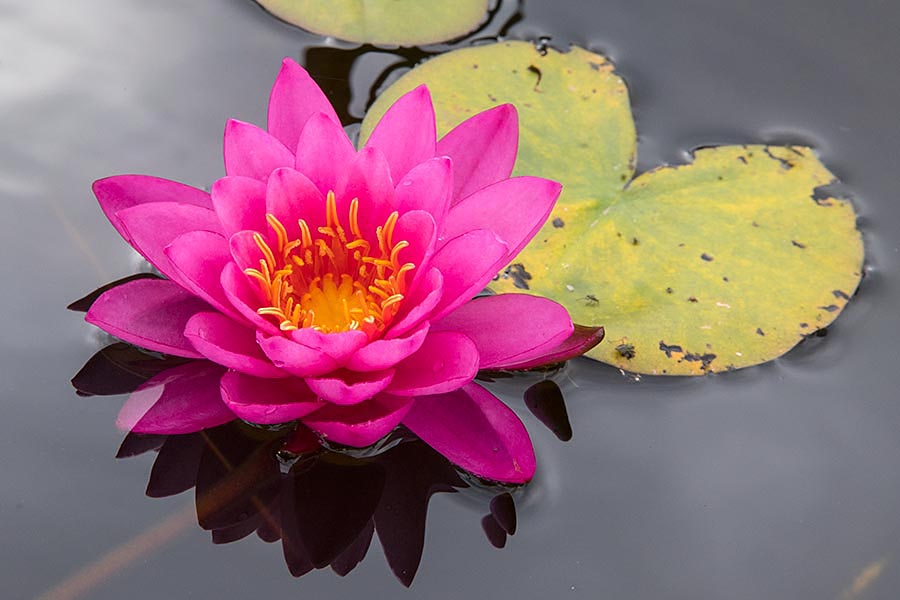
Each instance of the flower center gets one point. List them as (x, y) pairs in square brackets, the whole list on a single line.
[(333, 281)]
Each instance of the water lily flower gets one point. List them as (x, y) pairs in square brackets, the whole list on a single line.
[(337, 287)]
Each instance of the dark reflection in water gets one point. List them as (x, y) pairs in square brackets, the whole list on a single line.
[(323, 504)]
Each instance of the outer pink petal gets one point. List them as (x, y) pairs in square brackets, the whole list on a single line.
[(296, 359), (150, 313), (153, 226), (199, 258), (582, 339), (418, 304), (483, 149), (406, 133), (267, 401), (467, 262), (244, 298), (514, 209), (251, 152), (340, 346), (119, 192), (382, 354), (446, 361), (240, 203), (509, 328), (347, 387), (324, 152), (476, 431), (290, 195), (294, 99), (229, 344), (429, 187), (362, 424), (183, 399)]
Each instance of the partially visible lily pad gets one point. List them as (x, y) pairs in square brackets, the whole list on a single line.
[(723, 263), (386, 22)]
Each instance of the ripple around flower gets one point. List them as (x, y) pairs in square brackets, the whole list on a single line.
[(338, 286)]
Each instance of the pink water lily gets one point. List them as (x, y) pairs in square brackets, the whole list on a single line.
[(337, 287)]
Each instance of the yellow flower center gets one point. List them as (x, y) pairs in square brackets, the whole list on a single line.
[(334, 281)]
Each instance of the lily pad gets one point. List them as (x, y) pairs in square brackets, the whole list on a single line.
[(386, 22), (723, 263)]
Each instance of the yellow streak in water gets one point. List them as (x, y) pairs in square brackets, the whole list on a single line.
[(865, 579)]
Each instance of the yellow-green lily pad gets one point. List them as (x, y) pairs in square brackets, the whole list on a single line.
[(723, 263), (385, 22)]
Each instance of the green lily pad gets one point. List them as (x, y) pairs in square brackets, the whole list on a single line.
[(387, 22), (723, 263)]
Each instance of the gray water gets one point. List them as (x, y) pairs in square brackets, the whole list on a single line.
[(780, 481)]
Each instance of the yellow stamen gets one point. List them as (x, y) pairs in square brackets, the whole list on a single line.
[(334, 281)]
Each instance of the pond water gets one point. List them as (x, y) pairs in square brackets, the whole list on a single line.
[(779, 481)]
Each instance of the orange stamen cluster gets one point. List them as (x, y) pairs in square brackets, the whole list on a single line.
[(334, 281)]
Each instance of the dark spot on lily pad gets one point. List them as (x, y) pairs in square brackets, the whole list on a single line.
[(840, 294), (703, 359), (634, 241), (760, 332), (626, 351), (558, 223), (706, 257), (692, 299), (830, 308), (798, 244), (669, 349), (591, 300), (519, 275), (669, 290)]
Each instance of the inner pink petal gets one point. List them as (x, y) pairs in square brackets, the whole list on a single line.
[(240, 203)]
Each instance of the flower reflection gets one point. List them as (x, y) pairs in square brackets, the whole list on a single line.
[(325, 504)]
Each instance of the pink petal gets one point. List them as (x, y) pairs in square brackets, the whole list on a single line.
[(244, 250), (382, 354), (119, 192), (290, 195), (475, 431), (296, 359), (483, 149), (294, 99), (467, 262), (324, 152), (267, 401), (240, 203), (199, 258), (580, 341), (418, 304), (347, 387), (368, 179), (509, 328), (340, 346), (244, 298), (150, 313), (446, 361), (362, 424), (514, 209), (153, 226), (406, 133), (229, 344), (252, 152), (182, 399), (428, 186)]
